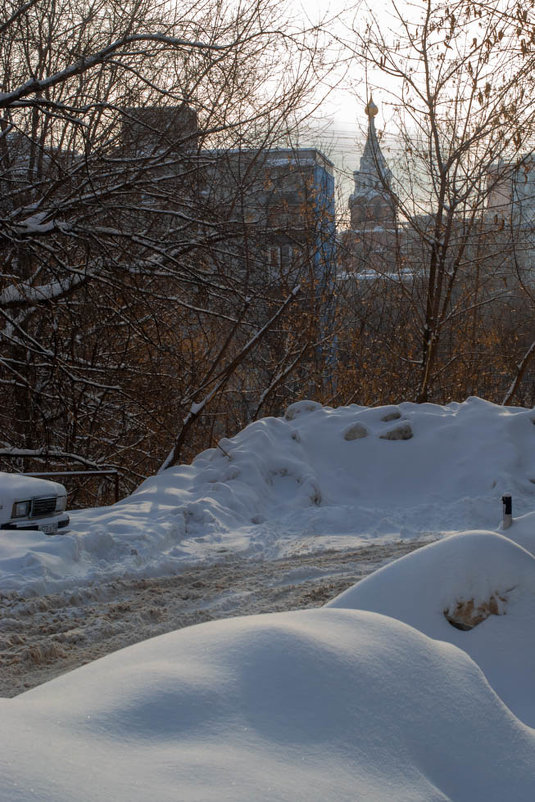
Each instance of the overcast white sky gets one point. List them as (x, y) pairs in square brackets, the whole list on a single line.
[(341, 119)]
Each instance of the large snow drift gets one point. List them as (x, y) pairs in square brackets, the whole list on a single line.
[(483, 572), (378, 696), (312, 705), (317, 478)]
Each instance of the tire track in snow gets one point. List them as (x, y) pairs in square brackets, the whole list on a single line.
[(43, 637)]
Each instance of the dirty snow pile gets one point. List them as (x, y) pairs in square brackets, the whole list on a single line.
[(375, 697), (317, 478)]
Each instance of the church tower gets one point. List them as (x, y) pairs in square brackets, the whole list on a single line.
[(370, 204)]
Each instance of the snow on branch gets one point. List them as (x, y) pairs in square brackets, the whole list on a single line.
[(37, 86), (220, 379), (48, 453), (24, 293), (520, 371)]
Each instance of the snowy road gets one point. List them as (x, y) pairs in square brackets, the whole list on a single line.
[(45, 636)]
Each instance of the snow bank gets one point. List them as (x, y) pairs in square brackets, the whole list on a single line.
[(484, 570), (318, 478), (313, 705), (378, 696)]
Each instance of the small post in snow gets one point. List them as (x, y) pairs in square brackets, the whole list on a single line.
[(507, 501)]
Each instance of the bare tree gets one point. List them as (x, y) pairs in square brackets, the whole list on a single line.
[(458, 96), (129, 285)]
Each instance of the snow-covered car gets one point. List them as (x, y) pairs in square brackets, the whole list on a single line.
[(30, 503)]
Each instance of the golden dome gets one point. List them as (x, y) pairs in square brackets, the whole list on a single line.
[(371, 109)]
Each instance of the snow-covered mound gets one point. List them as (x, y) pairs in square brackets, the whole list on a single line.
[(475, 590), (415, 684), (315, 705), (317, 478)]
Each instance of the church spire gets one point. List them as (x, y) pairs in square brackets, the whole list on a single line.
[(370, 199)]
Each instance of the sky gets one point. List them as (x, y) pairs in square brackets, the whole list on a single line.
[(340, 122)]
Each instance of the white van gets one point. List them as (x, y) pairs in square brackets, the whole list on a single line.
[(30, 503)]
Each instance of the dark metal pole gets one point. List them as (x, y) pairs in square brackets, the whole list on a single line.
[(507, 502)]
